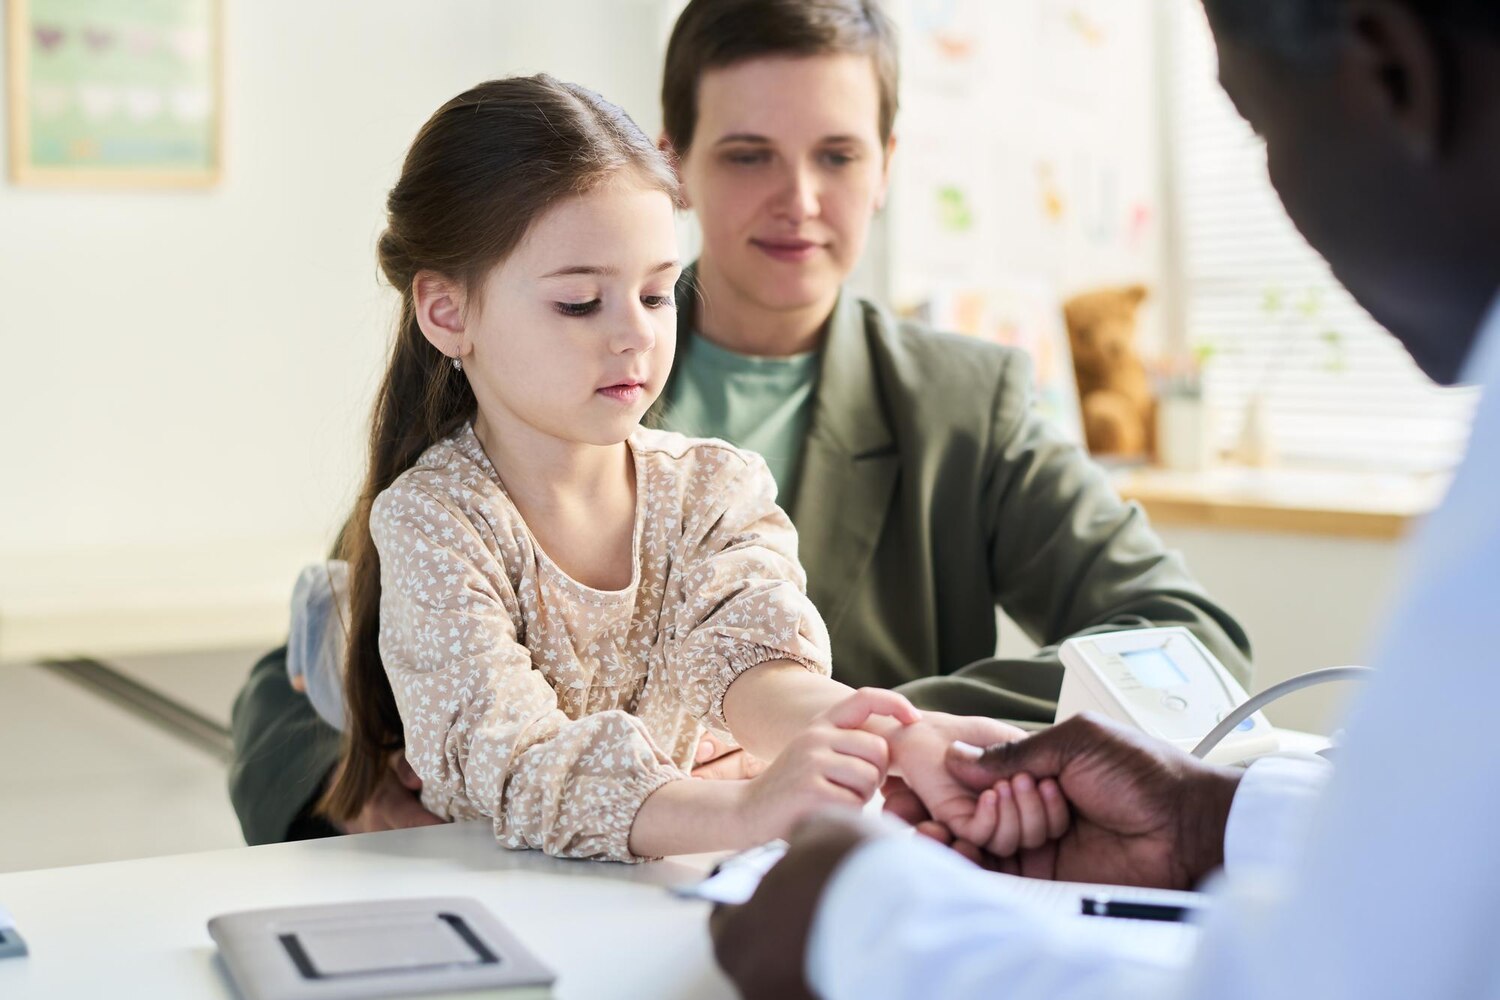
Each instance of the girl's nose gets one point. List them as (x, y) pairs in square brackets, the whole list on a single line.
[(636, 332)]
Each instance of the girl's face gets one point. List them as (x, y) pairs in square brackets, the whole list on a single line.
[(575, 331), (785, 172)]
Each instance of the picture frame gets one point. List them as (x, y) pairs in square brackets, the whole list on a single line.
[(111, 95)]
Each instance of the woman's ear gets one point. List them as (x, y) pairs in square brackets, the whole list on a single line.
[(439, 303), (885, 173)]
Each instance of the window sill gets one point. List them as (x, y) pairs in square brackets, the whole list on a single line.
[(1380, 506)]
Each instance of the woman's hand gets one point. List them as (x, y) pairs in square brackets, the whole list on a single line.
[(720, 761), (396, 803), (832, 763)]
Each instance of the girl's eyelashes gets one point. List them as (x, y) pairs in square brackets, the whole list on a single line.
[(577, 308), (593, 305)]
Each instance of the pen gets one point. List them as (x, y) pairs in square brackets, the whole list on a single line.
[(760, 858), (11, 945), (1105, 906)]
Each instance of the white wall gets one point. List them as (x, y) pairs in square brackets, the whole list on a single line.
[(1049, 127), (1306, 601), (195, 369)]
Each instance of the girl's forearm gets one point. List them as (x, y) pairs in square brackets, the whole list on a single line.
[(768, 705), (691, 816)]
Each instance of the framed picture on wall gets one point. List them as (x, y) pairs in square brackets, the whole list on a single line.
[(110, 94)]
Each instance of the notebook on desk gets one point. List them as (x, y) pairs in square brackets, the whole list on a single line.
[(1166, 941)]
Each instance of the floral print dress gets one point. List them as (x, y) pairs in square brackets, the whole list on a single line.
[(553, 708)]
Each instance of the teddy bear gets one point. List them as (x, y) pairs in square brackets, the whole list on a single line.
[(1113, 388)]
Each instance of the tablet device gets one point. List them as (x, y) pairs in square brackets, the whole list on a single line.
[(379, 948)]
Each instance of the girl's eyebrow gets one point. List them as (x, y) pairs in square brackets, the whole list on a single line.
[(600, 270)]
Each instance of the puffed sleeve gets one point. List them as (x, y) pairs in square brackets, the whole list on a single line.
[(483, 727), (741, 595)]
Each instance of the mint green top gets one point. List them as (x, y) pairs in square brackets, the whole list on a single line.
[(763, 404)]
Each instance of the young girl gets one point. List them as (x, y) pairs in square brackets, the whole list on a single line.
[(550, 602)]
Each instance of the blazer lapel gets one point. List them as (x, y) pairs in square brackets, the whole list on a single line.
[(849, 467), (849, 464)]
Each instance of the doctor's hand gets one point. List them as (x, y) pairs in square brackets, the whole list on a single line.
[(762, 944), (1143, 812), (396, 804)]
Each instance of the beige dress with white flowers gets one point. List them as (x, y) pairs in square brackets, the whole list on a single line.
[(556, 709)]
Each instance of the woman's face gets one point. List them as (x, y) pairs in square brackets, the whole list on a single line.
[(785, 173)]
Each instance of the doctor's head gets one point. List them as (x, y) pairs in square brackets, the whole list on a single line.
[(1381, 122), (780, 114)]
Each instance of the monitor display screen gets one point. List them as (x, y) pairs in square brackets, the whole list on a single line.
[(1154, 668)]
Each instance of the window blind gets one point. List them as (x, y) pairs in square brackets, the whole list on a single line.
[(1337, 390)]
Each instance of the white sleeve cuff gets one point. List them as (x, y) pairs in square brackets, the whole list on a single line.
[(1272, 809), (839, 925), (904, 917)]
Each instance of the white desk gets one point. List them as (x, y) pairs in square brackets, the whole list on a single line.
[(138, 928)]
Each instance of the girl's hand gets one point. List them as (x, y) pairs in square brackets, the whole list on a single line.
[(1017, 813), (832, 763), (904, 804), (919, 755)]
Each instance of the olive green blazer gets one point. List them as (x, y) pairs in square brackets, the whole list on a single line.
[(930, 494)]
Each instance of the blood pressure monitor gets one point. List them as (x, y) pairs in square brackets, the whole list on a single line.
[(1164, 682)]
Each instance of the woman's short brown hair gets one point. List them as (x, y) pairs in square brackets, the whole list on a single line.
[(712, 34)]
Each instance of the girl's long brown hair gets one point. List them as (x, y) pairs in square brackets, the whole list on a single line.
[(482, 170)]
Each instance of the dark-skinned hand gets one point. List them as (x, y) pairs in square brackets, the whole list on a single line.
[(762, 944), (1143, 812)]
